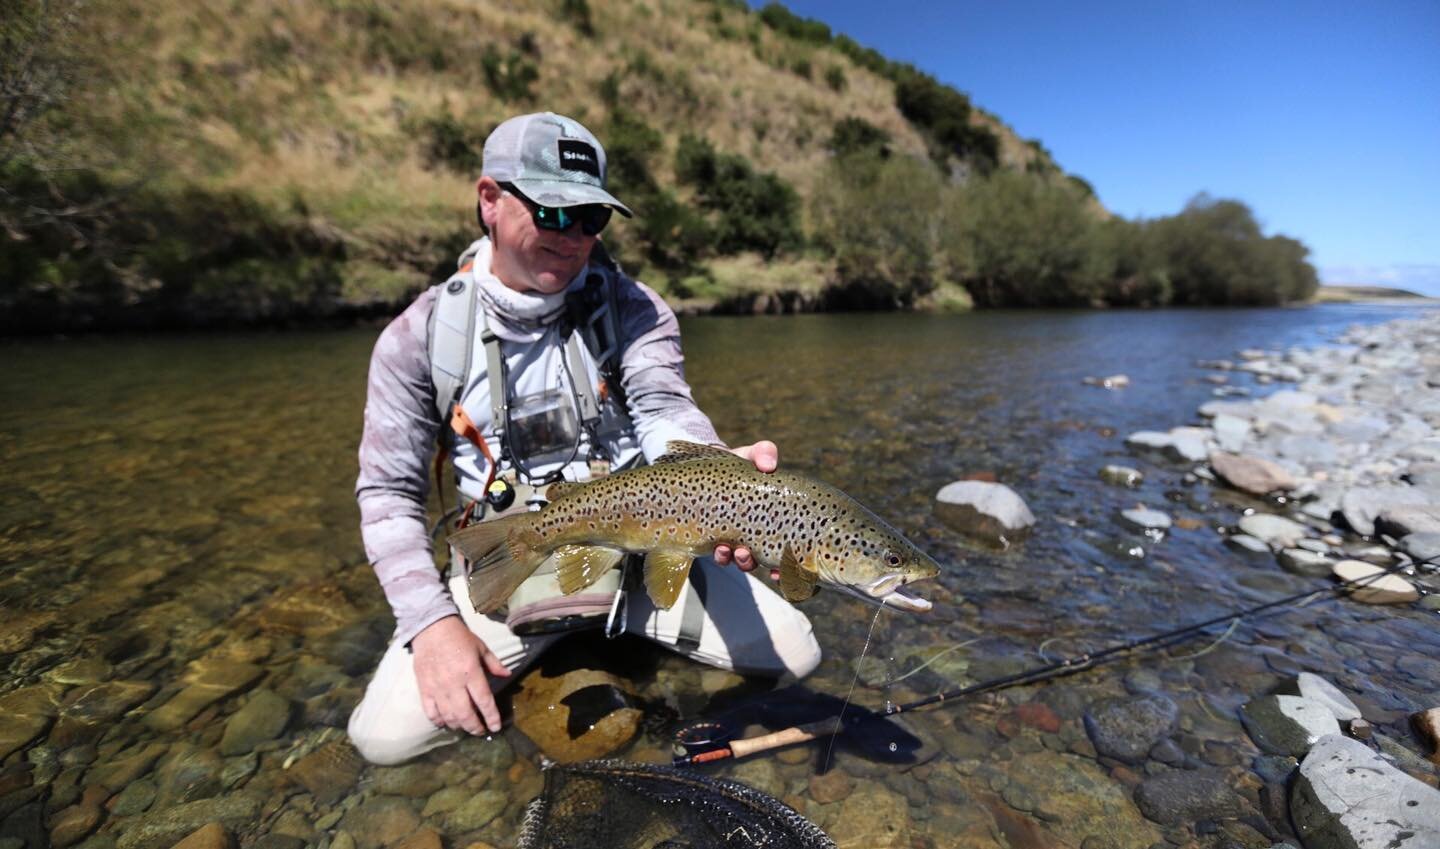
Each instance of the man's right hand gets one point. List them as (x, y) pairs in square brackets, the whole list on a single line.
[(453, 686)]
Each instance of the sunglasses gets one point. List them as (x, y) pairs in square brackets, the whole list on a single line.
[(592, 218)]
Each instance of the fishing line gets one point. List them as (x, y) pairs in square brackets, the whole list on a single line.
[(841, 717), (833, 725)]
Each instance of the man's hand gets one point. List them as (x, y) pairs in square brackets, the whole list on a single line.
[(448, 665), (766, 458)]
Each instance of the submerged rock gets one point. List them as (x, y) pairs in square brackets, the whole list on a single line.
[(1121, 476), (577, 716), (1277, 531), (1145, 520), (1288, 725), (1184, 796), (1385, 589), (1127, 729), (1254, 475), (1299, 561), (263, 718), (991, 512), (1348, 797)]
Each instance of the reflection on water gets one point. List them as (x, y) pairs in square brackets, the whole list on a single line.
[(178, 537)]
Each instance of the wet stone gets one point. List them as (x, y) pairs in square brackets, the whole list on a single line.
[(445, 800), (1275, 531), (1247, 544), (1348, 796), (873, 817), (1145, 520), (1311, 686), (188, 773), (833, 786), (208, 683), (1384, 589), (210, 836), (1127, 729), (380, 822), (263, 717), (990, 512), (1310, 564), (329, 772), (135, 799), (1184, 796), (25, 714), (73, 824), (278, 841), (1121, 476), (162, 829), (238, 770), (1168, 752), (1288, 725), (477, 811), (413, 781)]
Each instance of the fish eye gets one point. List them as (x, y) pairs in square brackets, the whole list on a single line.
[(892, 559)]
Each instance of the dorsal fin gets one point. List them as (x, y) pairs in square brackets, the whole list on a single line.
[(679, 451)]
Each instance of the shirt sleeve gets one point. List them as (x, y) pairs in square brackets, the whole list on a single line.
[(652, 372), (399, 439)]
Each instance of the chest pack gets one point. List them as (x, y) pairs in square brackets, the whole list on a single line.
[(591, 319)]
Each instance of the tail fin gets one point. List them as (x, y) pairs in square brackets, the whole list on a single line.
[(501, 562)]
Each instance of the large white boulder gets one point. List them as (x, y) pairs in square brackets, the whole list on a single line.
[(991, 512), (1348, 797)]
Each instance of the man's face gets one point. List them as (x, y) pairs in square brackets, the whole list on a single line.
[(525, 257)]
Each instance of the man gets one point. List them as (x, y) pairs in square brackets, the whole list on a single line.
[(538, 360)]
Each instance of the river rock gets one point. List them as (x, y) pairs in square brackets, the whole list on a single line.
[(1409, 519), (1121, 476), (1126, 729), (1254, 475), (188, 773), (1287, 725), (1348, 797), (380, 821), (991, 512), (208, 682), (1386, 589), (116, 774), (1362, 505), (1427, 725), (1181, 444), (413, 781), (73, 824), (87, 711), (1184, 796), (1230, 432), (1299, 561), (577, 716), (1114, 381), (1308, 685), (1076, 799), (162, 829), (135, 799), (1247, 544), (1422, 547), (1277, 532), (25, 714), (873, 817), (263, 718), (1145, 520), (834, 786), (211, 836), (329, 772), (477, 811)]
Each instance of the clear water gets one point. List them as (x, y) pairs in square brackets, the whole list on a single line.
[(177, 502)]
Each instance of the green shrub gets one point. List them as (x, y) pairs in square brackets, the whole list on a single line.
[(577, 12), (509, 76), (786, 22), (835, 78), (752, 211), (882, 219), (856, 135), (449, 144)]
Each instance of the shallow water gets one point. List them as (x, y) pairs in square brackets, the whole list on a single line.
[(179, 509)]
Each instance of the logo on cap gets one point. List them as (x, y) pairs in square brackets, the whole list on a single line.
[(576, 155)]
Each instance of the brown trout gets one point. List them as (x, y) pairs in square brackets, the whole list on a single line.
[(680, 508)]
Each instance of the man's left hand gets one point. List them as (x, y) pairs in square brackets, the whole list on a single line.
[(766, 458)]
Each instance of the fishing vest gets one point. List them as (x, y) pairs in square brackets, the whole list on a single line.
[(581, 351)]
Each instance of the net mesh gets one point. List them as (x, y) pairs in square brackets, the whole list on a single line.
[(645, 806)]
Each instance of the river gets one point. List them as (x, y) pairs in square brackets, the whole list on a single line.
[(177, 511)]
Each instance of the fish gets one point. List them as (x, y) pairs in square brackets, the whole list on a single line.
[(679, 508)]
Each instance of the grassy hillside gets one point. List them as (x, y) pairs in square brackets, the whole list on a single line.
[(191, 163)]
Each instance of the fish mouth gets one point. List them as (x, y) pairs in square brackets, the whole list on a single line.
[(890, 591)]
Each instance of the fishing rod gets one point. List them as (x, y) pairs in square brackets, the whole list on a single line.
[(833, 725)]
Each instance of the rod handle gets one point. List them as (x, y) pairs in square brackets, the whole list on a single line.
[(784, 737)]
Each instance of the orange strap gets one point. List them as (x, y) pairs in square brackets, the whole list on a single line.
[(464, 427)]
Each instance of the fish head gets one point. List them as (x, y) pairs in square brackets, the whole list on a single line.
[(875, 563)]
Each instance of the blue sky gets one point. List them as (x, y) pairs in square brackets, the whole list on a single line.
[(1323, 117)]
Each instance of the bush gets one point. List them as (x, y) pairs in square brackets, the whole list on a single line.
[(577, 12), (753, 211), (1029, 241), (882, 219), (1213, 252), (786, 22), (856, 135), (509, 76), (835, 78), (449, 144)]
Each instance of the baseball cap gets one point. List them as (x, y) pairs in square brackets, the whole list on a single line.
[(552, 159)]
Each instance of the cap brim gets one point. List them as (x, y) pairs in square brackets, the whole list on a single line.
[(562, 193)]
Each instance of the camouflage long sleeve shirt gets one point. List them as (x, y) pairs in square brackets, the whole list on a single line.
[(402, 425)]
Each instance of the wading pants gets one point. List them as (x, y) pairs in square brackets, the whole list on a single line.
[(746, 628)]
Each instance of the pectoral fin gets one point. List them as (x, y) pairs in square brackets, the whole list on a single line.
[(665, 574), (579, 566), (797, 579)]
